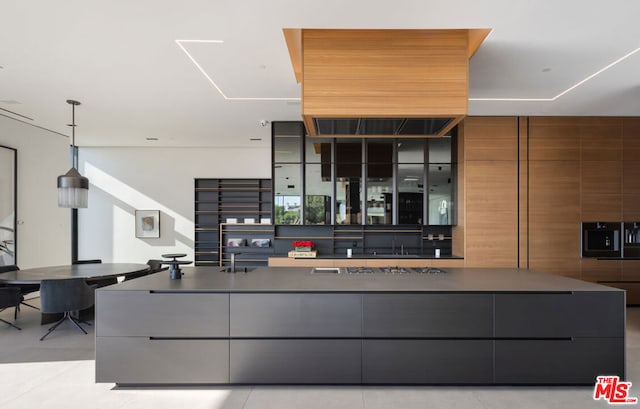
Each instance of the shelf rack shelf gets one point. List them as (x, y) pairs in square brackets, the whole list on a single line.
[(217, 200)]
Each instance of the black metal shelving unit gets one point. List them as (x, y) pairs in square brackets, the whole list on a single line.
[(217, 201)]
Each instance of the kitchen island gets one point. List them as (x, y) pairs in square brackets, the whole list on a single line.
[(334, 326)]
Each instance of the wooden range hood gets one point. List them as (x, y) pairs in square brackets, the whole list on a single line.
[(380, 83)]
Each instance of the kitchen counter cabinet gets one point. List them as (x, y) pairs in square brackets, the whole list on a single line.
[(295, 315), (293, 326)]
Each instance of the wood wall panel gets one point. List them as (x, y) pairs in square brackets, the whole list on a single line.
[(554, 139), (631, 270), (570, 169), (601, 270), (597, 207), (631, 208), (458, 231), (602, 177), (491, 216), (631, 177), (554, 217), (523, 191), (631, 139), (601, 140), (491, 138)]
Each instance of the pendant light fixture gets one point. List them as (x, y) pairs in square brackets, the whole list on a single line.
[(73, 188)]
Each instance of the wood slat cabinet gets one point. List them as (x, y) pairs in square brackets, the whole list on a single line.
[(491, 191)]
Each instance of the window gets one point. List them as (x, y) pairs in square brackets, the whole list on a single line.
[(361, 180)]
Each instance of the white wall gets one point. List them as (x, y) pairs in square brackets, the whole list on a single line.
[(43, 228), (125, 179)]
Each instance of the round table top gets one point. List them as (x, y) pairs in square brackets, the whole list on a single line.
[(98, 270), (174, 255)]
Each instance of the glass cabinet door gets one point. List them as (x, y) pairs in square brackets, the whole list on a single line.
[(287, 189), (440, 189)]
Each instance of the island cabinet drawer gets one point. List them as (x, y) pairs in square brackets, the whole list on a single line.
[(427, 361), (296, 315), (427, 315), (144, 360), (161, 314), (297, 361), (549, 315), (576, 361)]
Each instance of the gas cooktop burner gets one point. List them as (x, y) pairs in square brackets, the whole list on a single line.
[(395, 270), (359, 270), (429, 270)]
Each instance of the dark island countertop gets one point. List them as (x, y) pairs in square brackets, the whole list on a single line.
[(299, 279)]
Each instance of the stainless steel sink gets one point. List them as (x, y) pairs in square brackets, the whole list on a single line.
[(325, 270), (395, 255)]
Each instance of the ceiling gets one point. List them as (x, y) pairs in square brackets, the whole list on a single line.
[(142, 70)]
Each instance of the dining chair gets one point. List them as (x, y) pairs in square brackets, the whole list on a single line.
[(66, 296), (10, 297), (93, 261), (101, 282), (154, 267), (24, 289)]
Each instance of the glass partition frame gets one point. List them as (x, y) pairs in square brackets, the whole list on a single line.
[(426, 155), (8, 206)]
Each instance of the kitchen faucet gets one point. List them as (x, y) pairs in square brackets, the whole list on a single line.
[(233, 262)]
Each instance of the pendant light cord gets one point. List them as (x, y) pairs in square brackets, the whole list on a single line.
[(73, 136), (74, 156)]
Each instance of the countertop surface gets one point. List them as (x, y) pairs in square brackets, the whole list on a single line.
[(303, 279)]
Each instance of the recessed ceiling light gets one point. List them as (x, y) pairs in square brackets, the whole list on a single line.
[(571, 88)]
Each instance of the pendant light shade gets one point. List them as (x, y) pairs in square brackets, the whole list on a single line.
[(73, 188)]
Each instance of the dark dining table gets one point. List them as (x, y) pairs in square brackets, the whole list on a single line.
[(88, 271), (92, 272)]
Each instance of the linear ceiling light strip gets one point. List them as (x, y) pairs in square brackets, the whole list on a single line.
[(34, 125), (193, 60), (17, 114)]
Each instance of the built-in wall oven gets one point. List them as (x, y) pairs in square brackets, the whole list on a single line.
[(631, 247), (601, 239)]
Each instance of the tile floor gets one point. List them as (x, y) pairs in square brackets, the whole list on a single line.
[(59, 373)]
